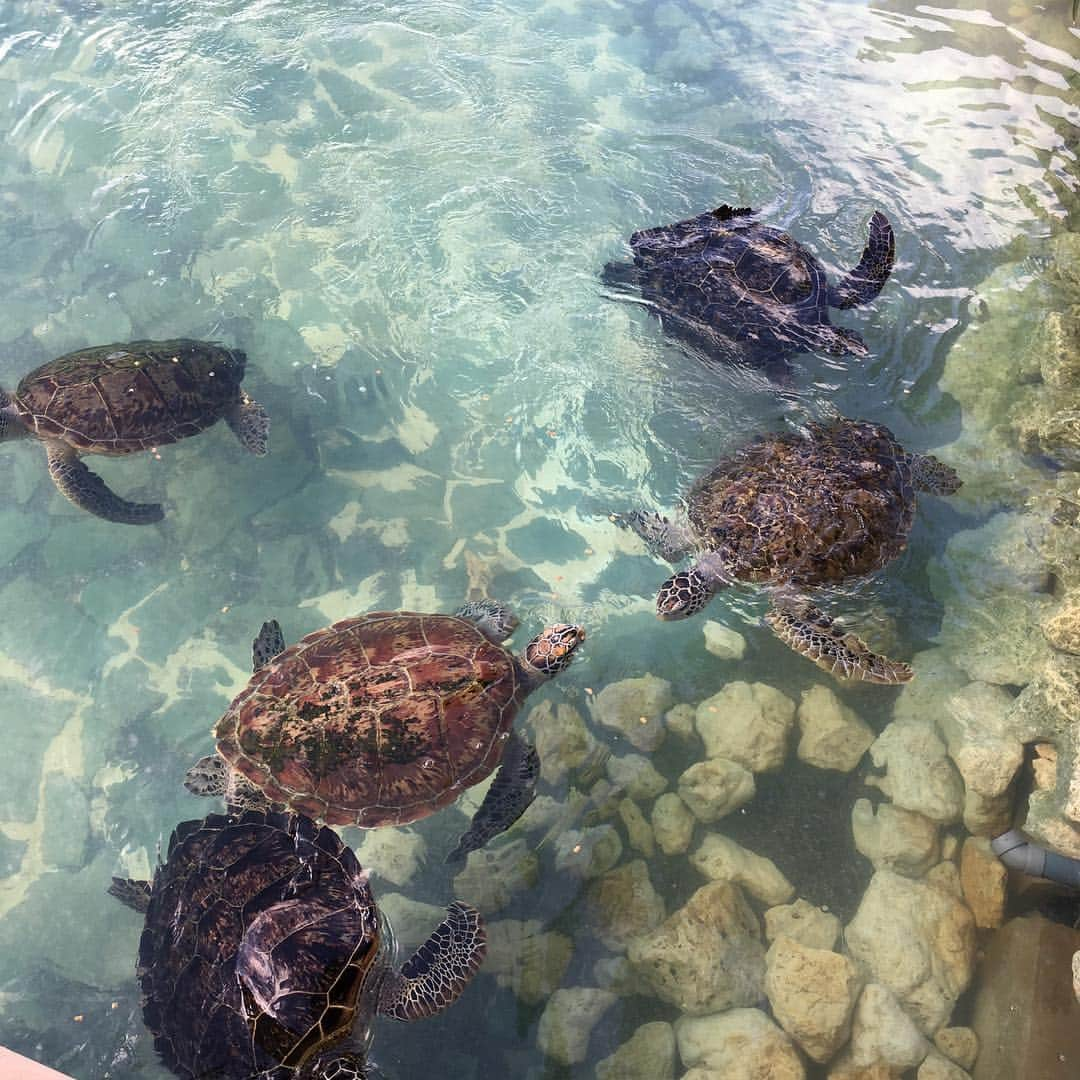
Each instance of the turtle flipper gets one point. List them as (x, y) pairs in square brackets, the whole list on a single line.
[(269, 642), (929, 474), (509, 796), (136, 894), (494, 620), (436, 974), (89, 492), (250, 424), (861, 285), (666, 539), (809, 631)]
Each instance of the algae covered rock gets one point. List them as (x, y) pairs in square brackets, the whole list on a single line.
[(636, 775), (672, 823), (588, 853), (713, 788), (635, 708), (526, 959), (748, 723), (623, 905), (649, 1054), (493, 876), (567, 1022), (562, 740)]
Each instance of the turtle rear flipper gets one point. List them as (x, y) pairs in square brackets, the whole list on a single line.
[(509, 796), (250, 424), (814, 635), (933, 476), (865, 281), (436, 974), (268, 643), (89, 492), (135, 894)]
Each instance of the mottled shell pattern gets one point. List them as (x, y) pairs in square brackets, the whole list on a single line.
[(376, 720), (118, 399), (219, 907), (830, 503)]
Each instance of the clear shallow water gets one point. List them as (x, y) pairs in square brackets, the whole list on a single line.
[(400, 212)]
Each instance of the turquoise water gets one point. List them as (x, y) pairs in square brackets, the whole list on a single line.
[(401, 212)]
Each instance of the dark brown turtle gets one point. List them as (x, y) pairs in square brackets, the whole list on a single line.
[(119, 399), (797, 510), (386, 718), (263, 953), (723, 277)]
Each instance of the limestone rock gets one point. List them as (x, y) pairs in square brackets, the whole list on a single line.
[(893, 838), (673, 824), (567, 1022), (741, 1044), (680, 721), (936, 1066), (724, 642), (649, 1054), (705, 957), (917, 940), (393, 854), (812, 993), (635, 708), (588, 853), (985, 883), (919, 775), (833, 735), (721, 859), (1062, 628), (526, 959), (882, 1034), (748, 723), (959, 1044), (636, 775), (844, 1068), (638, 830), (562, 740), (493, 876), (803, 922), (623, 905), (945, 877), (715, 787)]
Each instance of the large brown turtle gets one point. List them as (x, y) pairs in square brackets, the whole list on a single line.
[(264, 956), (386, 718), (723, 277), (798, 510), (119, 399)]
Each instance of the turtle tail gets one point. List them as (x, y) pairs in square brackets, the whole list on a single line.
[(861, 285)]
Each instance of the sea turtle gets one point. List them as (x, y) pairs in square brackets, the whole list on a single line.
[(385, 718), (795, 510), (118, 399), (723, 277), (264, 956)]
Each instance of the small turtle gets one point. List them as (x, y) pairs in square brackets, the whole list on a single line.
[(264, 956), (798, 510), (118, 399), (723, 277), (386, 718)]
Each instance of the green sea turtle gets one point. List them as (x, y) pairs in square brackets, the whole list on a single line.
[(723, 277), (118, 399), (264, 956), (386, 718), (797, 510)]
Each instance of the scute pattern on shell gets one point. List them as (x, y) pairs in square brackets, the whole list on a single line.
[(122, 398), (809, 508), (381, 719), (219, 909)]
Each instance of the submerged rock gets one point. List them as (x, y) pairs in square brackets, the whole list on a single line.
[(893, 838), (936, 1066), (393, 854), (918, 774), (985, 883), (623, 905), (833, 736), (526, 959), (588, 853), (636, 775), (724, 642), (562, 740), (493, 876), (722, 859), (882, 1034), (680, 721), (635, 708), (748, 723), (638, 831), (649, 1054), (741, 1044), (672, 823), (713, 788), (803, 922), (959, 1044), (567, 1022)]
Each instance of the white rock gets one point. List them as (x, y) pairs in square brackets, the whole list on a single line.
[(715, 787), (393, 854), (649, 1054), (893, 838), (959, 1044), (936, 1066), (672, 823), (919, 775), (883, 1034), (803, 922), (636, 775), (724, 642), (567, 1022), (588, 853), (812, 993), (721, 859), (680, 721), (833, 735), (635, 708), (638, 830), (747, 722), (741, 1044)]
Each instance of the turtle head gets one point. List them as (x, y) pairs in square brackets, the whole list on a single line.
[(687, 592), (551, 651), (10, 425)]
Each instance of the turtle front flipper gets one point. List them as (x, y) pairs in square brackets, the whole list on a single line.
[(435, 975), (135, 894), (865, 281), (268, 643), (810, 632), (933, 476), (250, 424), (510, 794), (89, 492), (666, 539)]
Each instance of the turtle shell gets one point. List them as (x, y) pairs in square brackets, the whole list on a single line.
[(832, 503), (241, 978), (117, 399), (376, 720)]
